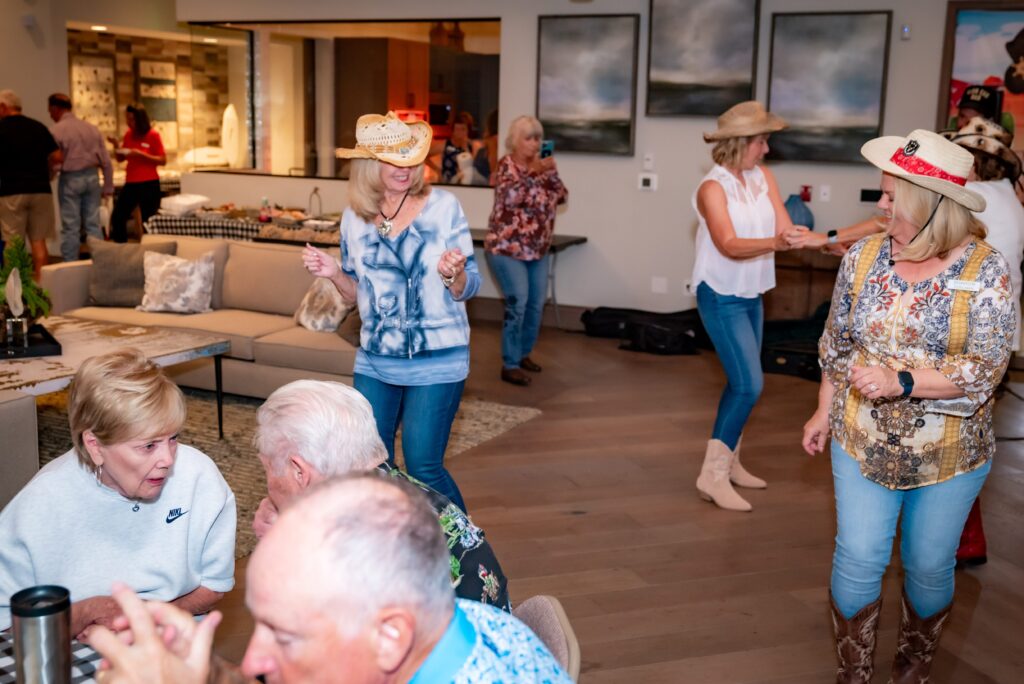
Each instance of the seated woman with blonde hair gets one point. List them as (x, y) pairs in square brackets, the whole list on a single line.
[(127, 503)]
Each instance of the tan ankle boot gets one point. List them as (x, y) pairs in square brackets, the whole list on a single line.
[(918, 641), (739, 475), (713, 483), (855, 643)]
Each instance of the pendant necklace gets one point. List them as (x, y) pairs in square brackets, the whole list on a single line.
[(385, 226)]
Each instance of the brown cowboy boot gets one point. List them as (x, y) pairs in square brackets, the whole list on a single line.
[(855, 643), (918, 640)]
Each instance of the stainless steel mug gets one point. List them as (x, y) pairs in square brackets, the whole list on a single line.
[(41, 618)]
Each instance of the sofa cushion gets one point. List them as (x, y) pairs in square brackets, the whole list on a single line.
[(304, 349), (239, 327), (194, 247), (265, 277), (117, 276), (176, 284)]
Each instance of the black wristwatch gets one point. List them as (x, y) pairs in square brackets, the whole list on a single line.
[(906, 382), (833, 237)]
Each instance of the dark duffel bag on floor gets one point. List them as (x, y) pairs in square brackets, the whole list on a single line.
[(680, 332)]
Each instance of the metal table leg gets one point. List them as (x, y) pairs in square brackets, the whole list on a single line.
[(220, 396), (551, 283)]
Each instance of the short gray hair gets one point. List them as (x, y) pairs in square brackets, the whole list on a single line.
[(328, 424), (370, 522), (11, 99)]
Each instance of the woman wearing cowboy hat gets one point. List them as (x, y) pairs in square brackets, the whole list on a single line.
[(917, 338), (408, 263), (742, 223)]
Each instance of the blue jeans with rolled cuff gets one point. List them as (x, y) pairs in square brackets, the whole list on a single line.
[(933, 517), (425, 413), (524, 285), (736, 327)]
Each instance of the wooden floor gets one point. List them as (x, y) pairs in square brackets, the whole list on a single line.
[(594, 502)]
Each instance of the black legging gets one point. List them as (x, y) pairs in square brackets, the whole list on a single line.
[(144, 195)]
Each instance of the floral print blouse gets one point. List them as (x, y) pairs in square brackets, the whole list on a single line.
[(959, 322), (523, 218)]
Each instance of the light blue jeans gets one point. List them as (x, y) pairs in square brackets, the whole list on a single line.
[(525, 287), (79, 194), (425, 413), (866, 516), (735, 326)]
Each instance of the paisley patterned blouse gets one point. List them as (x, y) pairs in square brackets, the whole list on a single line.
[(523, 218), (960, 323)]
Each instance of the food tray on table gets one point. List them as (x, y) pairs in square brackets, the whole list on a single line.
[(40, 343)]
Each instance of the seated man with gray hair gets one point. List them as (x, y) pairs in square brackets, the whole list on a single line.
[(310, 430), (325, 614)]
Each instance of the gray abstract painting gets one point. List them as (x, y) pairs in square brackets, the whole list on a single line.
[(827, 80), (702, 55), (586, 82)]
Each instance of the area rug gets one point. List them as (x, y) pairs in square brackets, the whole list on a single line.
[(476, 422)]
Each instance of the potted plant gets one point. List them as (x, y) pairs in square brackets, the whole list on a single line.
[(19, 293)]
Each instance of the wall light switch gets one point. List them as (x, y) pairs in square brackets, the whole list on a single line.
[(649, 161), (825, 193), (647, 182)]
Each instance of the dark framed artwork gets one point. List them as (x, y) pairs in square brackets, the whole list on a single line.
[(586, 81), (702, 55), (834, 105), (984, 46)]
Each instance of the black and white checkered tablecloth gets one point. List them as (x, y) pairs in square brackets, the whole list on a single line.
[(84, 661), (223, 228)]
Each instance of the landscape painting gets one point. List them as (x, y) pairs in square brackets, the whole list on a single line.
[(702, 56), (586, 82), (827, 80)]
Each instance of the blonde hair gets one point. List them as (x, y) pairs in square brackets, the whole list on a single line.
[(122, 396), (522, 127), (729, 152), (366, 189), (951, 224)]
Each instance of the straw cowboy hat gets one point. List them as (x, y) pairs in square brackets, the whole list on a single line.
[(926, 159), (744, 120), (390, 140), (987, 137)]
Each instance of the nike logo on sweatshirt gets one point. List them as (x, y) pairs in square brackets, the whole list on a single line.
[(174, 514)]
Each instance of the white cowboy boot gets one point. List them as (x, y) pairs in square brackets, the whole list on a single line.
[(739, 475), (713, 483)]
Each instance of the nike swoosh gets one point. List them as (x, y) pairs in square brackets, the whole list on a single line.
[(171, 518)]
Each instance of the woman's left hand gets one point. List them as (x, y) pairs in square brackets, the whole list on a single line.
[(451, 263), (875, 382)]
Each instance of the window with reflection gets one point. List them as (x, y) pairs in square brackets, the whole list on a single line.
[(309, 82)]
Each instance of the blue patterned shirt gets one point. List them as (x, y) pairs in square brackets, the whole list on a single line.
[(484, 645)]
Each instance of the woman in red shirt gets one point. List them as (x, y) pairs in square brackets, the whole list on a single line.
[(144, 150), (527, 190)]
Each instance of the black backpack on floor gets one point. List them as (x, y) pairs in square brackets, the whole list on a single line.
[(643, 331)]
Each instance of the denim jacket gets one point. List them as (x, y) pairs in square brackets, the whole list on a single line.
[(404, 306)]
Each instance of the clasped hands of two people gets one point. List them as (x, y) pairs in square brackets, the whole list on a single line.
[(873, 382), (801, 237)]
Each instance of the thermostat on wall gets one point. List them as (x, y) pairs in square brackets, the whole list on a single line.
[(648, 182)]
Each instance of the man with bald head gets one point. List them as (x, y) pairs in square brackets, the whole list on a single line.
[(325, 615)]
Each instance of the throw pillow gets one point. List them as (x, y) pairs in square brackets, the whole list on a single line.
[(118, 276), (322, 309), (178, 285)]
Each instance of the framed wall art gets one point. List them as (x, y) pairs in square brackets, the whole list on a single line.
[(702, 55), (586, 81), (834, 105), (94, 91), (156, 84), (984, 46)]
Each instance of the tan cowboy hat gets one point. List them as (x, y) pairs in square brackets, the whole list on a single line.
[(926, 159), (744, 120), (389, 139), (981, 135)]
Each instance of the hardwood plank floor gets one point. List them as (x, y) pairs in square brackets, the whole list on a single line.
[(594, 502)]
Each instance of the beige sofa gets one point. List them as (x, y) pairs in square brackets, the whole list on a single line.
[(257, 288)]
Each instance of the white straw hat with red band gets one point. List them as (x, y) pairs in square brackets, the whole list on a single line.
[(927, 159)]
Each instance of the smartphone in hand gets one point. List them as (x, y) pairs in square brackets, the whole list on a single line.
[(547, 148)]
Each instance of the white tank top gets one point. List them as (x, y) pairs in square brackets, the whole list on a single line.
[(752, 216)]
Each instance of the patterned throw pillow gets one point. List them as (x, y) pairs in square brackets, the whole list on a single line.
[(322, 309), (177, 285)]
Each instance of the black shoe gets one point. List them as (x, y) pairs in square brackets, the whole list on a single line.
[(515, 377), (528, 365)]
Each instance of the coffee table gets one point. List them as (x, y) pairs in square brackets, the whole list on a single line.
[(81, 338)]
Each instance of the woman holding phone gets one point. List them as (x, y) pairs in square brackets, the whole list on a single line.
[(527, 191)]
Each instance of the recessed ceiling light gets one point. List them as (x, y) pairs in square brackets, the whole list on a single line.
[(209, 40), (98, 28)]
